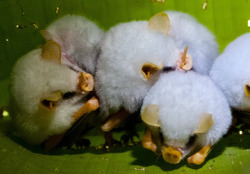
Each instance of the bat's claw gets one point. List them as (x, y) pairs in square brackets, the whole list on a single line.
[(110, 141), (80, 143), (199, 157), (128, 138)]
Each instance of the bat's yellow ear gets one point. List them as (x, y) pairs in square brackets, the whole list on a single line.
[(51, 51), (206, 122), (186, 61), (148, 69), (247, 90), (46, 35), (160, 22), (150, 115)]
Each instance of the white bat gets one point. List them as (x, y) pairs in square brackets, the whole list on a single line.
[(184, 112)]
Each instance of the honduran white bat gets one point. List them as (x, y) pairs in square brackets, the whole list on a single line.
[(132, 56), (49, 85), (231, 73), (184, 112)]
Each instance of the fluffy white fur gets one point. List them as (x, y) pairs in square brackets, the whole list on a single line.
[(182, 99), (125, 48), (31, 79), (187, 31), (34, 77), (231, 71), (79, 39)]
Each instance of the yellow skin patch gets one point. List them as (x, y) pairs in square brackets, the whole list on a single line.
[(171, 155), (147, 141), (199, 157), (86, 82)]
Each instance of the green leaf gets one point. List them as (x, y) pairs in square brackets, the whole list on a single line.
[(230, 155), (227, 19)]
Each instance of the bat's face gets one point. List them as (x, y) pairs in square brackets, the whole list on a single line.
[(46, 95), (173, 150)]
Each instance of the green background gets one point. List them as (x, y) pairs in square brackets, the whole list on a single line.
[(20, 22), (227, 19)]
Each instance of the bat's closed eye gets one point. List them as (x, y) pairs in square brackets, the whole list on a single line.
[(68, 95)]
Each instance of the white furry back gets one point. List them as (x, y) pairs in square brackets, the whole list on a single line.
[(79, 39), (231, 71), (182, 99), (31, 79), (187, 31), (125, 48)]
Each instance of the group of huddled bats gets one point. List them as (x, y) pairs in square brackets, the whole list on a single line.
[(166, 68)]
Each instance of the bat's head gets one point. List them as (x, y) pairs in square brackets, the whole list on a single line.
[(46, 94), (174, 58), (175, 141), (183, 112), (79, 39)]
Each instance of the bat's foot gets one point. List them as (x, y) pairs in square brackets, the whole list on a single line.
[(128, 138), (112, 143), (147, 141)]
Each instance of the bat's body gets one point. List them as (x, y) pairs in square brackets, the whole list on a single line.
[(134, 54)]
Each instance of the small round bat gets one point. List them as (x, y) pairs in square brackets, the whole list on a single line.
[(50, 85), (184, 112)]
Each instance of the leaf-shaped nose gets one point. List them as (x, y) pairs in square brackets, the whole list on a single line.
[(171, 155)]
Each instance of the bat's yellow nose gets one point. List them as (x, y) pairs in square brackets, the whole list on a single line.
[(171, 155)]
